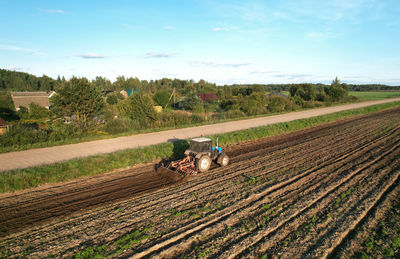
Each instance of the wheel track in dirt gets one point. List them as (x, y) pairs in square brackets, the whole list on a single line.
[(354, 242), (282, 223), (308, 189), (379, 199), (219, 181), (204, 179), (322, 231), (216, 219), (95, 195)]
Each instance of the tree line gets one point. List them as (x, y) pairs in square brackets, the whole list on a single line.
[(83, 108), (21, 81)]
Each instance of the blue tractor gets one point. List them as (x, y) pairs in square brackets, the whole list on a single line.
[(198, 159)]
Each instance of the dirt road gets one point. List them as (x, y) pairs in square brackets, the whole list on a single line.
[(310, 193), (35, 157)]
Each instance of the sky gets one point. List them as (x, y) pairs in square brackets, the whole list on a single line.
[(223, 42)]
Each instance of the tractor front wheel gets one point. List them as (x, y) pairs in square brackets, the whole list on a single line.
[(223, 160), (204, 163)]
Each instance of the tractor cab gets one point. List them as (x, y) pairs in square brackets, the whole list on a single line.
[(199, 145)]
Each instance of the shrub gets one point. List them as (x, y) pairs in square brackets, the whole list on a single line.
[(38, 112), (21, 134), (112, 99), (234, 114), (161, 98), (197, 118), (277, 104), (116, 126)]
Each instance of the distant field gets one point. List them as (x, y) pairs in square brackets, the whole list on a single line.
[(367, 96)]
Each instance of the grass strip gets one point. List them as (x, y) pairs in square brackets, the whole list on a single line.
[(103, 135), (32, 177)]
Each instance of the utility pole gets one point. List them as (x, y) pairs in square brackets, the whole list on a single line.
[(174, 96)]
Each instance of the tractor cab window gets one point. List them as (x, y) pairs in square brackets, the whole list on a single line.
[(204, 146)]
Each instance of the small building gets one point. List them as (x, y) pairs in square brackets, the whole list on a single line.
[(51, 94), (208, 97), (25, 98), (3, 126), (128, 92)]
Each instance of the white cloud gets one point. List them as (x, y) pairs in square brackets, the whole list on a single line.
[(89, 56), (263, 72), (220, 29), (129, 26), (55, 11), (320, 36), (158, 55), (292, 76), (14, 68), (20, 49), (169, 28), (213, 64)]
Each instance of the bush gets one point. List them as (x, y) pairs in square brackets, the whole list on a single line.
[(38, 112), (112, 99), (231, 114), (116, 126), (61, 131), (21, 134), (161, 98), (277, 104), (197, 118)]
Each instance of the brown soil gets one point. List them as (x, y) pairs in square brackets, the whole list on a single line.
[(303, 194)]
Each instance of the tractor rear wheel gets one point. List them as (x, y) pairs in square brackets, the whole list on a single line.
[(203, 164), (223, 160)]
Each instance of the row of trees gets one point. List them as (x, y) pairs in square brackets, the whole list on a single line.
[(88, 110), (20, 81)]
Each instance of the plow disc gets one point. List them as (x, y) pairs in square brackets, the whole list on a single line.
[(170, 175), (178, 171)]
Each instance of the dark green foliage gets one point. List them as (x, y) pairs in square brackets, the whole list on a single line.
[(30, 133), (7, 111), (21, 134), (190, 102), (337, 91), (20, 81), (38, 112), (32, 177), (79, 100), (112, 99), (252, 107), (277, 104), (140, 108), (102, 84), (23, 113), (306, 92), (116, 126), (162, 98), (197, 118), (174, 119)]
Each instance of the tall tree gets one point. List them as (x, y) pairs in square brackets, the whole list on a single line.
[(139, 108), (337, 91), (78, 98)]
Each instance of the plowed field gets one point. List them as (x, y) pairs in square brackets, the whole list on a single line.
[(312, 193)]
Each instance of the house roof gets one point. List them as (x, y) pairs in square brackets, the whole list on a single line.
[(208, 97), (26, 98), (3, 123), (129, 92)]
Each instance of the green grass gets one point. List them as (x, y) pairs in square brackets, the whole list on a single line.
[(369, 96), (98, 135), (76, 168)]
